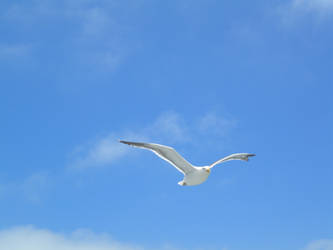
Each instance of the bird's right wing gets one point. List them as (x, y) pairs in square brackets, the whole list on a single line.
[(166, 153), (238, 156)]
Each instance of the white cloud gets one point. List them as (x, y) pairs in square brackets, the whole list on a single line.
[(32, 188), (106, 150), (324, 244), (313, 5), (96, 21), (30, 238), (298, 9), (10, 52), (2, 190), (93, 34), (214, 124), (168, 128), (35, 186), (102, 152)]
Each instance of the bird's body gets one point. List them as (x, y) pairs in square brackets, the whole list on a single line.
[(192, 175), (198, 176)]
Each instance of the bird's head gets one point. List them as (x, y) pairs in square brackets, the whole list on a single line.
[(207, 169)]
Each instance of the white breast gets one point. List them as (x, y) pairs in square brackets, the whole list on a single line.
[(196, 177)]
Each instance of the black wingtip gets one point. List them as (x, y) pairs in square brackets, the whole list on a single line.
[(248, 156), (130, 143)]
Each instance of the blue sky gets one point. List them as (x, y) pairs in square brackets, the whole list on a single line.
[(209, 78)]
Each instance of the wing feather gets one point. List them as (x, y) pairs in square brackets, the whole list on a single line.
[(238, 156), (166, 153)]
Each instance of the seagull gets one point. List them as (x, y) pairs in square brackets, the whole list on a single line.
[(192, 175)]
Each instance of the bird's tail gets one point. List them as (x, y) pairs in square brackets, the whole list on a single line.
[(182, 183)]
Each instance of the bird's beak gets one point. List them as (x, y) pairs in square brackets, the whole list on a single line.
[(208, 170)]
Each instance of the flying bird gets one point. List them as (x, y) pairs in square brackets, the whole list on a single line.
[(192, 175)]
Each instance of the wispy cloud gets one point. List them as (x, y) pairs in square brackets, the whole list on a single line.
[(2, 190), (35, 186), (213, 124), (313, 5), (167, 128), (101, 152), (13, 50), (31, 188), (30, 238), (106, 150), (298, 9), (93, 34), (323, 244)]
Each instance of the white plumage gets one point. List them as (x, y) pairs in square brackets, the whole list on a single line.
[(192, 175)]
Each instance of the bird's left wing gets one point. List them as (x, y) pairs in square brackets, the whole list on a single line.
[(166, 153), (239, 156)]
